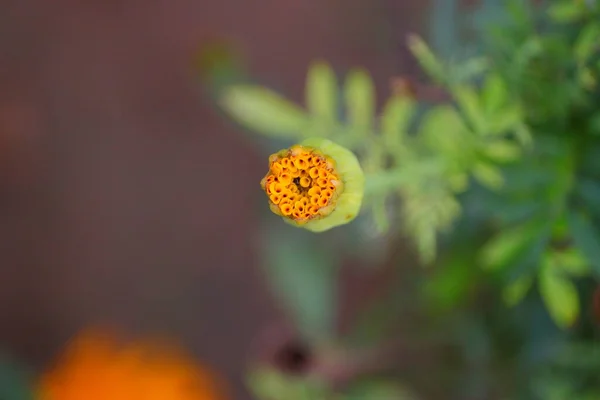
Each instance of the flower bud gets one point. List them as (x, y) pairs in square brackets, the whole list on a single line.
[(316, 185)]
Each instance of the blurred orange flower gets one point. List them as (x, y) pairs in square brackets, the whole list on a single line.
[(96, 367)]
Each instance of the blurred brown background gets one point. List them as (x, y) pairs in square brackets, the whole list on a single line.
[(124, 196)]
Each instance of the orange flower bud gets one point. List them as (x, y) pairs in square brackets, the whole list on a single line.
[(316, 185)]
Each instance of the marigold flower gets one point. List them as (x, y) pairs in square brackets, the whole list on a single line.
[(96, 367), (316, 184)]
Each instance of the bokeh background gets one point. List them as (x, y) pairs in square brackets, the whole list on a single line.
[(127, 198), (124, 196)]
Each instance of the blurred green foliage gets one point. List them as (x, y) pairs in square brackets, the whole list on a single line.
[(499, 187), (15, 380), (306, 281), (269, 384)]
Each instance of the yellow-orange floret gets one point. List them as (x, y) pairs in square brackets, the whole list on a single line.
[(302, 183)]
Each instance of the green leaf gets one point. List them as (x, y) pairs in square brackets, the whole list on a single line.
[(527, 260), (488, 175), (427, 213), (458, 182), (470, 105), (303, 275), (263, 111), (509, 119), (426, 58), (585, 237), (377, 389), (571, 261), (359, 93), (567, 11), (495, 93), (529, 50), (268, 384), (587, 42), (502, 151), (444, 131), (515, 291), (396, 118), (523, 134), (322, 92), (560, 296), (425, 236), (499, 251), (469, 70)]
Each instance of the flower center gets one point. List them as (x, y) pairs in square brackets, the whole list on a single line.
[(301, 183)]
